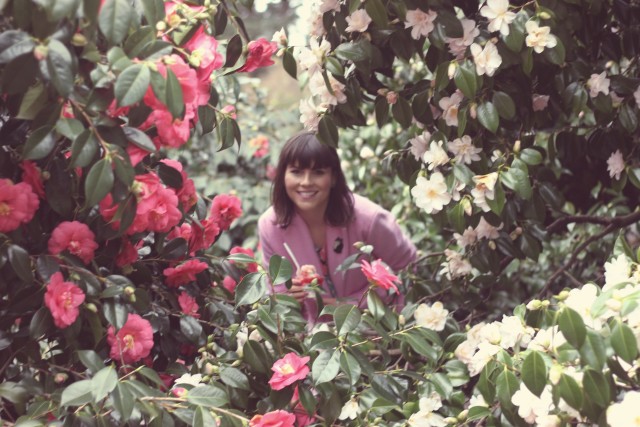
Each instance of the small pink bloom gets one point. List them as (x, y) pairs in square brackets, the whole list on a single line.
[(259, 56), (229, 284), (18, 204), (203, 235), (308, 274), (278, 418), (133, 341), (229, 110), (261, 145), (136, 154), (179, 391), (251, 267), (75, 237), (32, 175), (225, 208), (203, 53), (288, 370), (184, 273), (379, 274), (63, 299), (188, 305), (128, 253)]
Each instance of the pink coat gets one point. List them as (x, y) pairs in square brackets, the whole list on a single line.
[(372, 225)]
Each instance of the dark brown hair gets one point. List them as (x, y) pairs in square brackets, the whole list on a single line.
[(305, 151)]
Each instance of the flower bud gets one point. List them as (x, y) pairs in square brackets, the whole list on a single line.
[(392, 97), (554, 373), (463, 415), (209, 368), (473, 110), (129, 290), (60, 377), (91, 307), (545, 304), (40, 52), (451, 71), (161, 26), (79, 39), (179, 391), (516, 146), (492, 245), (401, 320), (535, 304), (236, 363), (544, 15), (206, 378), (451, 420), (562, 295)]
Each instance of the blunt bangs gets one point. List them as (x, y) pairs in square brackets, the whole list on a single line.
[(305, 151)]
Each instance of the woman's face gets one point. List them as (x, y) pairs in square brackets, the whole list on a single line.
[(308, 188)]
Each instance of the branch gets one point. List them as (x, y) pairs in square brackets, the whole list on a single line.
[(617, 222)]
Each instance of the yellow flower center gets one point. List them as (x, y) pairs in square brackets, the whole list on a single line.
[(66, 299), (5, 209), (128, 341), (287, 369)]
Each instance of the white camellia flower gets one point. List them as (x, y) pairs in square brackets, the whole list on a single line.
[(313, 57), (310, 114), (468, 237), (456, 265), (421, 23), (530, 406), (350, 410), (598, 83), (432, 317), (419, 145), (581, 301), (539, 37), (316, 26), (497, 12), (625, 413), (484, 230), (547, 340), (485, 353), (426, 416), (539, 102), (193, 380), (477, 400), (514, 332), (367, 153), (615, 164), (459, 45), (548, 421), (450, 106), (464, 150), (484, 189), (487, 60), (435, 156), (358, 21), (431, 194), (318, 87), (616, 271), (328, 5)]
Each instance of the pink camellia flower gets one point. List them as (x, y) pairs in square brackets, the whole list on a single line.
[(251, 267), (136, 154), (259, 56), (184, 273), (204, 55), (133, 341), (308, 274), (277, 418), (18, 204), (230, 111), (229, 284), (63, 299), (288, 370), (203, 235), (32, 175), (75, 237), (187, 193), (128, 253), (261, 144), (379, 274), (225, 208), (188, 305)]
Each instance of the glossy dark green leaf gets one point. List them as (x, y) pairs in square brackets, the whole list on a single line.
[(488, 116), (289, 63), (59, 65), (593, 352), (256, 356), (506, 385), (572, 326), (226, 133), (504, 104), (402, 112), (327, 131), (234, 377), (202, 418), (153, 11), (208, 396), (326, 367), (378, 13), (596, 387), (21, 263), (84, 149), (14, 43), (517, 179), (103, 383), (170, 176), (39, 144), (556, 55), (628, 118), (69, 128), (350, 366), (114, 19), (376, 306), (115, 312), (534, 372), (478, 413), (530, 156), (280, 269), (190, 328), (624, 342), (19, 76), (354, 51), (234, 50), (123, 401), (59, 9), (132, 84), (98, 183), (91, 360), (450, 23), (251, 288), (77, 393), (570, 391), (40, 323), (137, 42), (466, 79), (33, 101), (347, 318), (323, 340), (420, 345), (174, 96)]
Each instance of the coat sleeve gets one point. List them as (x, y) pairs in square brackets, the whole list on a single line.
[(389, 242), (265, 229)]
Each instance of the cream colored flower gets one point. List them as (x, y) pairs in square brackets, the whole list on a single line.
[(310, 114), (450, 106), (329, 5), (484, 230), (313, 57), (497, 12), (350, 410), (431, 194), (456, 265), (435, 156), (616, 271), (464, 150), (318, 87), (421, 23), (419, 145), (539, 37), (487, 60), (625, 412), (467, 238), (615, 164), (484, 190), (280, 37), (598, 83), (358, 21), (459, 45), (367, 153), (531, 406), (431, 317)]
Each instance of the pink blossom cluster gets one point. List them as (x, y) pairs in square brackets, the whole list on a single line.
[(18, 204), (379, 274)]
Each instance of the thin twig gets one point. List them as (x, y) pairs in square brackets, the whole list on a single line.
[(619, 221)]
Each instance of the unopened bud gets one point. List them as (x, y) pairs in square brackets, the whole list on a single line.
[(129, 290), (492, 245), (60, 377), (401, 320), (236, 363), (451, 71), (91, 307), (516, 146), (466, 206), (535, 304), (451, 420), (179, 391), (40, 52), (209, 368), (161, 26), (392, 97), (555, 373), (79, 39), (206, 378), (544, 15), (463, 415), (562, 296), (473, 110), (546, 303)]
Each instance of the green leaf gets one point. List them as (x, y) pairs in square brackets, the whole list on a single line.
[(323, 340), (33, 102), (115, 313), (354, 51), (91, 360), (123, 401), (235, 378), (593, 351), (325, 367), (103, 383), (596, 387), (466, 79), (280, 269), (572, 327), (98, 183), (289, 63), (153, 11), (504, 104), (138, 41), (69, 128), (506, 385), (347, 318), (59, 66), (132, 84), (420, 345), (59, 9), (250, 289), (114, 19), (40, 323), (207, 396), (226, 134), (21, 263), (517, 179), (203, 418), (378, 13), (234, 50), (14, 43), (191, 328), (256, 356), (628, 118), (350, 367), (84, 149), (76, 394), (557, 54), (174, 95), (376, 307), (402, 112), (488, 116), (624, 342), (534, 372), (478, 413), (39, 144), (530, 156), (327, 131), (570, 391)]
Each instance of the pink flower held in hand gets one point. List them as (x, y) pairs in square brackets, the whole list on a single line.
[(260, 52), (379, 274), (18, 204), (63, 299), (288, 370), (133, 341), (225, 208), (308, 274), (278, 418), (188, 305), (184, 273), (75, 237)]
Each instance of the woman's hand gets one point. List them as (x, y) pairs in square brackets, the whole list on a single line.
[(298, 291)]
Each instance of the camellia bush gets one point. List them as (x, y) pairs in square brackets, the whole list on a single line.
[(513, 126)]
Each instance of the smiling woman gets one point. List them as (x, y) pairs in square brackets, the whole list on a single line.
[(315, 221)]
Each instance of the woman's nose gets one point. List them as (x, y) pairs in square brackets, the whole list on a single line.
[(306, 177)]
